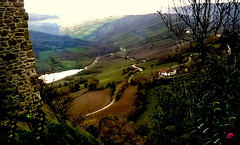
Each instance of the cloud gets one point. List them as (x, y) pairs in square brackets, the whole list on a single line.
[(39, 17)]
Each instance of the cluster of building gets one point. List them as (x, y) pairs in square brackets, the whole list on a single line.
[(165, 73)]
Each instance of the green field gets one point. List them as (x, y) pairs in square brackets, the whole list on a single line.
[(82, 50), (109, 71), (112, 71), (43, 66), (148, 70), (81, 62), (43, 55), (73, 64)]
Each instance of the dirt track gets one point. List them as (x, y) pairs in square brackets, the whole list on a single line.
[(95, 100), (120, 107), (87, 103)]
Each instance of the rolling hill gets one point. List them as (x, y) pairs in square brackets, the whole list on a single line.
[(138, 36), (143, 36), (73, 52), (44, 41), (139, 26)]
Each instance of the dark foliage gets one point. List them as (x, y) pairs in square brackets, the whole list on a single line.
[(202, 107), (56, 134)]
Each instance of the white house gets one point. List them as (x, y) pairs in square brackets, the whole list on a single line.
[(167, 73)]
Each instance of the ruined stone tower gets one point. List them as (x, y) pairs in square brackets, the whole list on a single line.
[(20, 101)]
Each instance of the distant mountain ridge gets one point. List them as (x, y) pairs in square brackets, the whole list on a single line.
[(143, 36), (38, 22), (88, 29), (44, 41), (109, 27)]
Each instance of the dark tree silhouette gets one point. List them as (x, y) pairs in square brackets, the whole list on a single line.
[(192, 21)]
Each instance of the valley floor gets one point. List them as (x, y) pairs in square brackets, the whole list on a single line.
[(95, 100)]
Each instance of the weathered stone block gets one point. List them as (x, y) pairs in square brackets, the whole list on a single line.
[(18, 4), (20, 83), (16, 20), (2, 9), (12, 42), (9, 57), (34, 80), (20, 30), (18, 14), (30, 54), (25, 16), (4, 44), (10, 10), (12, 26), (37, 87), (7, 21), (4, 33), (6, 28), (26, 46), (22, 25), (13, 0), (31, 60), (26, 34), (22, 10), (19, 40), (19, 34)]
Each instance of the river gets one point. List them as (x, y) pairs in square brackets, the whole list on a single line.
[(49, 78)]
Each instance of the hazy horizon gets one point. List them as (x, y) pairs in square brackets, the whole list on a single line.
[(74, 11)]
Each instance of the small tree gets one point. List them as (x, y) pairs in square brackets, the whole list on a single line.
[(55, 63), (92, 83)]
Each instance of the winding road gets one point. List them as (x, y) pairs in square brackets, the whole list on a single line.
[(129, 80), (94, 63), (114, 99), (110, 104)]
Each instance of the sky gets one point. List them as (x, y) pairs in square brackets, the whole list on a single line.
[(73, 11)]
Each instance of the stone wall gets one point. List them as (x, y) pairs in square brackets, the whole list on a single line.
[(19, 88)]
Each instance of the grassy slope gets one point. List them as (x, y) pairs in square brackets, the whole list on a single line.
[(125, 39), (151, 108), (86, 29), (112, 70), (124, 31), (148, 70)]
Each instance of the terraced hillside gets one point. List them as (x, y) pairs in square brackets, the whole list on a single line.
[(125, 29), (140, 36)]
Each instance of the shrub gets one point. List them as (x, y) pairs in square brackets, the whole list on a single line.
[(92, 83)]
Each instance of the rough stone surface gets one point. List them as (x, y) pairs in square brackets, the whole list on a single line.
[(18, 75)]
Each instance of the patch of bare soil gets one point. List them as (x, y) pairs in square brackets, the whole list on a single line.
[(87, 103), (151, 51), (122, 107)]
